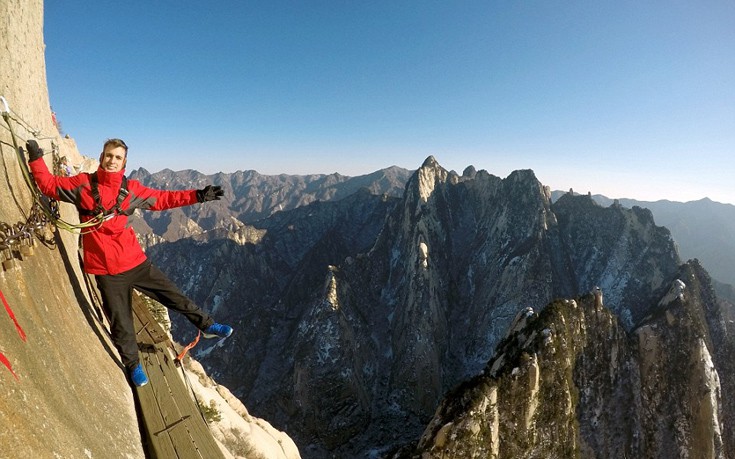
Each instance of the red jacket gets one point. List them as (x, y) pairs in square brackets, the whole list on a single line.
[(112, 247)]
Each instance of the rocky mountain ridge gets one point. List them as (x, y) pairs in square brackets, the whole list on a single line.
[(358, 315), (569, 382), (250, 196), (702, 229)]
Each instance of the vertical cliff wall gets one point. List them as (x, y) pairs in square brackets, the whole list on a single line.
[(63, 393), (68, 397)]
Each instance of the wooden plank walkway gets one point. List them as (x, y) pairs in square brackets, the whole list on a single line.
[(172, 420)]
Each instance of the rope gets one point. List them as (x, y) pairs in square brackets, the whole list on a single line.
[(36, 133), (96, 300), (7, 179), (91, 224)]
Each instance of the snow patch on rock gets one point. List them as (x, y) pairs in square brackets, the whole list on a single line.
[(676, 291)]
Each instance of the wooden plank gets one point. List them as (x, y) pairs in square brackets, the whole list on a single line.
[(162, 447), (198, 428), (203, 438), (170, 396), (163, 434), (199, 432), (195, 429), (172, 419)]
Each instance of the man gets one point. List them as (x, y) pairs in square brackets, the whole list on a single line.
[(111, 249)]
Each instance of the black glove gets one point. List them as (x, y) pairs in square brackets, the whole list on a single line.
[(34, 151), (210, 193)]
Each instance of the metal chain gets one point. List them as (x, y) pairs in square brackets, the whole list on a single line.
[(18, 241)]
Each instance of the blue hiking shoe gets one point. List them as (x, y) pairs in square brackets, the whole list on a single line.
[(217, 331), (138, 376)]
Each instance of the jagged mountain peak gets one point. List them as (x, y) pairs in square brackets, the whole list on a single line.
[(469, 172), (431, 162), (532, 380), (523, 176), (423, 182), (676, 292), (139, 172), (690, 292)]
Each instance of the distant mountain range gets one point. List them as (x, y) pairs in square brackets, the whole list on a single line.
[(702, 229)]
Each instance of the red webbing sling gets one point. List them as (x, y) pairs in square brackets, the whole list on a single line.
[(4, 360), (183, 352), (12, 316)]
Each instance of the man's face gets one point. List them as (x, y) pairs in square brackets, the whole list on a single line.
[(113, 159)]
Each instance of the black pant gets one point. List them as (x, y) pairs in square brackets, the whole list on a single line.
[(117, 298)]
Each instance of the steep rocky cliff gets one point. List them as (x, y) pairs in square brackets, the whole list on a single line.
[(66, 358), (703, 229), (358, 315), (63, 393), (570, 381)]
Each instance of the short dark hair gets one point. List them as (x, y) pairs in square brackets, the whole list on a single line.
[(114, 143)]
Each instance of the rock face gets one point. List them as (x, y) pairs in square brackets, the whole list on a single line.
[(573, 382), (65, 373), (702, 229), (356, 316)]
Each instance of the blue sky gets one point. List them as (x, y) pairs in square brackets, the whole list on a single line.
[(623, 98)]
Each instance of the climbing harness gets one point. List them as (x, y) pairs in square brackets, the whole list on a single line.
[(99, 208)]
